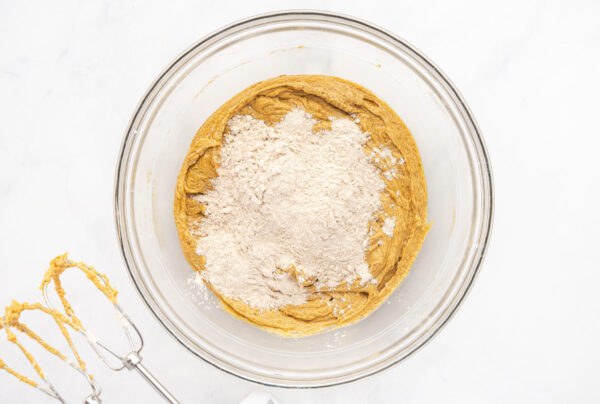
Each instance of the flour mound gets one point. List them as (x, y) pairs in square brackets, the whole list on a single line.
[(290, 208)]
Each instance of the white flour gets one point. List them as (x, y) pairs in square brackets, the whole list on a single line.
[(287, 197), (388, 226)]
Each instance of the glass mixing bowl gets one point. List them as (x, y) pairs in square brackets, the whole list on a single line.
[(300, 42)]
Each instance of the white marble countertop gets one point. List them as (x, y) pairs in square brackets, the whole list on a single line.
[(72, 72)]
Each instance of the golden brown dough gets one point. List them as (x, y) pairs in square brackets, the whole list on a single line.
[(404, 197)]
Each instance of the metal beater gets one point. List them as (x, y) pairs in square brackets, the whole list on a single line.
[(133, 360), (47, 387)]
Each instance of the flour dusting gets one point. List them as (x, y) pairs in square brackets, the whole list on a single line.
[(290, 208), (388, 226)]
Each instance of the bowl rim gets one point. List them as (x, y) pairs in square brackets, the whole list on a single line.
[(332, 17)]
